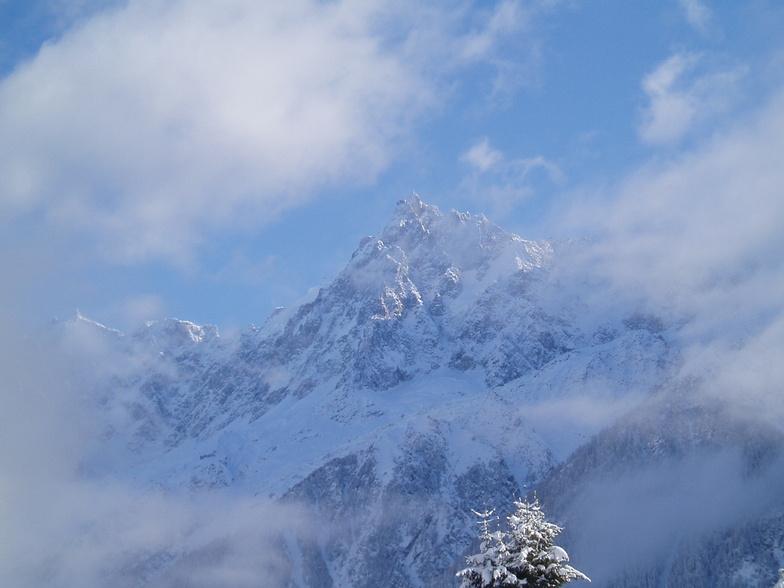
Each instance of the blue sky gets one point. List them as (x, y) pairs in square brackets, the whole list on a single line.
[(211, 160)]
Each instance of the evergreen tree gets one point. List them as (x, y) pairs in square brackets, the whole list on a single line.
[(525, 555), (486, 568), (780, 583)]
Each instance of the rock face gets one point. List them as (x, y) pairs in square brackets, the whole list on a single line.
[(450, 366)]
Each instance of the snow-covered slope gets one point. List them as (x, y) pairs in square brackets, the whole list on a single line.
[(450, 366)]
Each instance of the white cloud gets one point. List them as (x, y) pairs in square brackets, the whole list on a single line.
[(97, 534), (696, 237), (499, 183), (699, 237), (715, 210), (151, 123), (681, 97), (507, 18), (481, 156), (698, 15), (149, 126)]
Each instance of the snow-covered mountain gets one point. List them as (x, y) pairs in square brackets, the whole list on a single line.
[(450, 366)]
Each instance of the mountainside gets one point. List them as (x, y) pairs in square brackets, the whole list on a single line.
[(450, 366), (684, 490)]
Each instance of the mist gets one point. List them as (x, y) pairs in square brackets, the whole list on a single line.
[(693, 237), (650, 516), (62, 528)]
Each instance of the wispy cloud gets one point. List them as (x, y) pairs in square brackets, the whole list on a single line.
[(699, 16), (507, 18), (698, 236), (91, 535), (482, 156), (500, 182), (684, 92)]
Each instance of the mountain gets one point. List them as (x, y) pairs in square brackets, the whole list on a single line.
[(450, 366)]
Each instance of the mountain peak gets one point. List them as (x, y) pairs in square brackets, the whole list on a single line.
[(172, 333), (461, 239), (414, 203), (414, 212)]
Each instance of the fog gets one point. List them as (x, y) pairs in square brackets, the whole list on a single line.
[(649, 516), (61, 529)]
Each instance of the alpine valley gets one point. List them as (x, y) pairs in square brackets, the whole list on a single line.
[(450, 367)]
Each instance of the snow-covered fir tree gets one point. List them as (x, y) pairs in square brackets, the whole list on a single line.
[(780, 583), (525, 555), (486, 568)]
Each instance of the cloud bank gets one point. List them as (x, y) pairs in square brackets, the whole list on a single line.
[(151, 122), (697, 238), (700, 230), (150, 125), (63, 529)]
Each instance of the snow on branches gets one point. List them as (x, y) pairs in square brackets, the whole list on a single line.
[(524, 555)]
